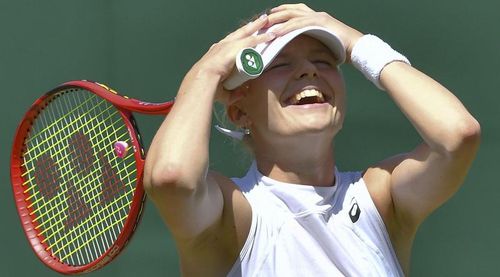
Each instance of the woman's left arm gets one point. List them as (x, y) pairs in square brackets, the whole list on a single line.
[(430, 174)]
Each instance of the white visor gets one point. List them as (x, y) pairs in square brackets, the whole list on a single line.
[(270, 50)]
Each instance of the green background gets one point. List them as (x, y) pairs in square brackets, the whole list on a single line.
[(143, 49)]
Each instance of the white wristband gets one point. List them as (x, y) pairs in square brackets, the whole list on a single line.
[(370, 55)]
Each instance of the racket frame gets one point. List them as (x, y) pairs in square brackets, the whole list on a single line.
[(125, 106)]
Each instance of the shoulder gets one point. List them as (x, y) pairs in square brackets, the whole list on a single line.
[(377, 179), (378, 183)]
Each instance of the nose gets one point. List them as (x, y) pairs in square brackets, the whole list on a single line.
[(306, 69)]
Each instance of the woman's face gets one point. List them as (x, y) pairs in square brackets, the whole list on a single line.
[(301, 93)]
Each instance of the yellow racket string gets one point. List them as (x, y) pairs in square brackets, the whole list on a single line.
[(62, 140), (62, 193), (61, 118), (82, 223), (55, 133), (52, 208), (64, 148), (81, 234), (96, 225), (87, 220), (68, 163), (88, 241), (93, 190), (62, 176)]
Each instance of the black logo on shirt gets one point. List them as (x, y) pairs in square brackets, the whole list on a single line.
[(354, 212)]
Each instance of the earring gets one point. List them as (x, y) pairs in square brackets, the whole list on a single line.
[(246, 131)]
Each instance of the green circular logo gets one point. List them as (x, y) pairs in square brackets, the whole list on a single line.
[(251, 62)]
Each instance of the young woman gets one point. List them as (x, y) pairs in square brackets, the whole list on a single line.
[(294, 213)]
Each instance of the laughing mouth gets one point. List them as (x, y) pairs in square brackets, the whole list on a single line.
[(308, 96)]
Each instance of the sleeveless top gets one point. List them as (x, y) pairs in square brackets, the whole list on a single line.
[(300, 230)]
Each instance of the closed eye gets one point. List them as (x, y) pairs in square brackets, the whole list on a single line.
[(278, 65), (323, 63)]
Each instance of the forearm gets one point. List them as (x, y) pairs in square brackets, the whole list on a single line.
[(179, 151), (438, 116)]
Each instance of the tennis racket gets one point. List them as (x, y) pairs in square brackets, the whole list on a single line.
[(76, 170)]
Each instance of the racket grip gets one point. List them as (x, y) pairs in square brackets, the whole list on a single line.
[(249, 65)]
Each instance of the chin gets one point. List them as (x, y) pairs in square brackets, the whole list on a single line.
[(315, 122), (318, 128)]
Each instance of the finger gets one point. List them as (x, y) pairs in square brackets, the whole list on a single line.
[(300, 6), (285, 15), (294, 24), (249, 28), (251, 41), (258, 39)]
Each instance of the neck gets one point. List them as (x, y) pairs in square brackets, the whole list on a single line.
[(306, 164)]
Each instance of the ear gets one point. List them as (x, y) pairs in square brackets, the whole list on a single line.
[(234, 110), (237, 115)]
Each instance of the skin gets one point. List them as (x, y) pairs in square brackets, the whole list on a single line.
[(207, 214)]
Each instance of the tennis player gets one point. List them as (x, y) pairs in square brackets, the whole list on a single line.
[(294, 213)]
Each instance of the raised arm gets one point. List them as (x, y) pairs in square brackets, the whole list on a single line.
[(187, 195), (426, 177)]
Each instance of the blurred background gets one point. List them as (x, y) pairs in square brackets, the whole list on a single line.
[(144, 48)]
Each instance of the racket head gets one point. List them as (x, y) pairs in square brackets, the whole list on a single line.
[(79, 200)]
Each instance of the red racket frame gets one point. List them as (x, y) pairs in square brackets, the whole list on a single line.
[(126, 106)]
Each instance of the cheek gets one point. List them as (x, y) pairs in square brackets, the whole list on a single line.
[(265, 91), (255, 104), (335, 80), (334, 77), (262, 106), (273, 80)]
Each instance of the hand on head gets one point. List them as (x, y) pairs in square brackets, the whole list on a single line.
[(219, 59), (296, 16)]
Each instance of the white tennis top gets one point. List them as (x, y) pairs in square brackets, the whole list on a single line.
[(300, 230)]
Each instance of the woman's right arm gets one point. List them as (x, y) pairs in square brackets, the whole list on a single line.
[(176, 175)]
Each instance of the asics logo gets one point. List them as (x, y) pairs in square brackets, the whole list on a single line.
[(355, 211)]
